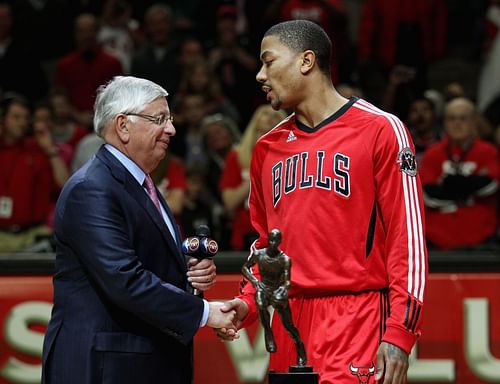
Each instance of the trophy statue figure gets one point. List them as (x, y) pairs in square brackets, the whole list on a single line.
[(272, 289)]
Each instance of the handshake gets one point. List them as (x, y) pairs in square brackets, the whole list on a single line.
[(226, 318)]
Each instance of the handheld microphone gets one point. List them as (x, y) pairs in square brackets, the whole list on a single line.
[(200, 246)]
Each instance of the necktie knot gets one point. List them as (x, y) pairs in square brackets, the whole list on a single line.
[(150, 188)]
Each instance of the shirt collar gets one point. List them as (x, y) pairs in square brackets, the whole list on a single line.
[(132, 167)]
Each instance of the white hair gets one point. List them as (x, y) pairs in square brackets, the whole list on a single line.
[(123, 94)]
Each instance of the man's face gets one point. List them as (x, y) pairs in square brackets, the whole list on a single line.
[(218, 137), (86, 33), (16, 121), (421, 116), (459, 123), (279, 74), (147, 141), (159, 27)]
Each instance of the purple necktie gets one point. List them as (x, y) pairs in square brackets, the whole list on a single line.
[(150, 187)]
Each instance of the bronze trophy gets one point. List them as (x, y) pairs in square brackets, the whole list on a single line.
[(272, 289)]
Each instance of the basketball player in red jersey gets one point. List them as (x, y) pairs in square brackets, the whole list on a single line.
[(338, 178)]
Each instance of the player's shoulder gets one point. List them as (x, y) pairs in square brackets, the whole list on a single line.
[(369, 115), (278, 130), (274, 135)]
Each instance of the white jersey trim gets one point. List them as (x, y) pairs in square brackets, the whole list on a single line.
[(416, 241)]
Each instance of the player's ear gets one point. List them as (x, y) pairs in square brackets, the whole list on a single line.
[(308, 61)]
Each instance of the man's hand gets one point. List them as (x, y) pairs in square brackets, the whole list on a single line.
[(219, 319), (201, 273), (392, 364), (241, 311)]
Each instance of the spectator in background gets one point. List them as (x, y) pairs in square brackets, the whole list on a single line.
[(220, 134), (43, 122), (188, 141), (31, 173), (66, 128), (399, 32), (197, 208), (191, 52), (423, 124), (119, 32), (80, 72), (234, 182), (483, 126), (200, 79), (170, 178), (232, 61), (157, 60), (460, 177), (20, 69)]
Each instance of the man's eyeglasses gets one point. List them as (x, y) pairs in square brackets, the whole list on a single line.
[(158, 120)]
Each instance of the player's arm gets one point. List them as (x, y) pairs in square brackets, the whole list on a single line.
[(400, 204), (399, 199), (258, 217)]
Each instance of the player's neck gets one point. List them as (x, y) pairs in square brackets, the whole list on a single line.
[(321, 104)]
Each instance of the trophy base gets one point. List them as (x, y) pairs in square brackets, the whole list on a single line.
[(295, 375)]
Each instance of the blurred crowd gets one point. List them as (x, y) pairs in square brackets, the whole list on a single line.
[(435, 64)]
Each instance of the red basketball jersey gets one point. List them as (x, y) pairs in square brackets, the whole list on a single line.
[(347, 199)]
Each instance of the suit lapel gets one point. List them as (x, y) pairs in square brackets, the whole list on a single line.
[(140, 195), (178, 239)]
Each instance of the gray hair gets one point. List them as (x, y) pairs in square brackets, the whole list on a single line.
[(225, 121), (123, 94)]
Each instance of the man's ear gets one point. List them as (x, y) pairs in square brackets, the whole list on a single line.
[(121, 128), (308, 61)]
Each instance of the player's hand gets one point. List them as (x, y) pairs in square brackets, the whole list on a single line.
[(392, 364), (201, 273), (241, 309)]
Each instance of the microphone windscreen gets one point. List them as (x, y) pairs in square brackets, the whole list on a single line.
[(203, 231)]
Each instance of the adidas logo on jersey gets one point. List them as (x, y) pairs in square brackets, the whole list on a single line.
[(291, 137)]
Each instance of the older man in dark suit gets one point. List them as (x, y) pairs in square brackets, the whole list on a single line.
[(122, 311)]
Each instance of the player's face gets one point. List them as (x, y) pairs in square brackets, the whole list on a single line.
[(278, 74)]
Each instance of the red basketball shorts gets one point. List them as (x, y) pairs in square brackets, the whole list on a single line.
[(341, 335)]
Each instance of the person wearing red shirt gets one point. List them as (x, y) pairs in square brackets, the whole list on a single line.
[(460, 176), (338, 178), (32, 172), (66, 129), (170, 177), (235, 179), (81, 72)]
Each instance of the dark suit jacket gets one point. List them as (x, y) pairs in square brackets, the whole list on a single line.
[(122, 313)]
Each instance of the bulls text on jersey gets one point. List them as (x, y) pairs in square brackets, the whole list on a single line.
[(287, 175)]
